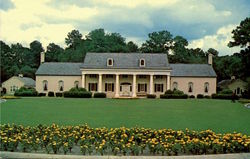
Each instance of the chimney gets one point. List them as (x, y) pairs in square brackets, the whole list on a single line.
[(210, 59), (42, 57), (20, 75)]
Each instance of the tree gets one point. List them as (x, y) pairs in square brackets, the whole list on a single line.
[(132, 47), (73, 39), (36, 49), (156, 42), (53, 53), (241, 35), (213, 51)]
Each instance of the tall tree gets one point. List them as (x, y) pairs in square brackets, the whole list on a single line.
[(157, 42), (132, 47), (73, 39), (53, 53), (36, 49), (213, 51)]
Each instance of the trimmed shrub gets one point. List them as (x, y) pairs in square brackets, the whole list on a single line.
[(191, 96), (178, 92), (207, 97), (51, 94), (99, 95), (173, 96), (69, 94), (59, 94), (41, 94), (79, 89), (169, 92), (151, 96), (200, 96), (28, 92), (226, 91)]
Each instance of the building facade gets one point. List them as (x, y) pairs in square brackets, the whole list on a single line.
[(126, 75)]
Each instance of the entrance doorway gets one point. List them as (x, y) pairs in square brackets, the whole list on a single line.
[(126, 89)]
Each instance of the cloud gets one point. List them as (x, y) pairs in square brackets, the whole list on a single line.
[(217, 41), (6, 5), (51, 20)]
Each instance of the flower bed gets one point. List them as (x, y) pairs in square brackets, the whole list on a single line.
[(119, 141)]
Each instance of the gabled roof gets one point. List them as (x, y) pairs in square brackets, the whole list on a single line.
[(59, 68), (126, 61), (192, 70), (227, 82), (29, 82)]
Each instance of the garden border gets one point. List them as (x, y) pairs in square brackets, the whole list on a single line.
[(6, 154)]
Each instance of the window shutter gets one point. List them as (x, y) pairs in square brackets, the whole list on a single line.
[(105, 87), (139, 88), (112, 87), (145, 87), (161, 87), (155, 88)]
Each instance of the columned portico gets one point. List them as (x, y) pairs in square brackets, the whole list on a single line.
[(134, 86), (83, 80), (100, 83), (117, 86), (151, 87)]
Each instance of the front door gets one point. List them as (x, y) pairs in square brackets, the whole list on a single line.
[(125, 90)]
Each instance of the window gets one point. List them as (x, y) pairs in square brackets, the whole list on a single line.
[(158, 87), (92, 76), (159, 77), (110, 62), (109, 87), (175, 86), (142, 87), (142, 76), (142, 62), (76, 84), (190, 87), (60, 84), (92, 86), (45, 85), (11, 88), (109, 76), (206, 87)]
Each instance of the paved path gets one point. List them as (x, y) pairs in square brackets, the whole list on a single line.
[(4, 154)]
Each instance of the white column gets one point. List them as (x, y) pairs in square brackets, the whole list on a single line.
[(117, 87), (151, 88), (134, 86), (100, 83), (83, 80), (168, 82)]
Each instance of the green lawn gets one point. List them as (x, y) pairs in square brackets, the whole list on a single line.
[(218, 115)]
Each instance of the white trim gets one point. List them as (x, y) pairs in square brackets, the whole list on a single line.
[(111, 61), (144, 61), (126, 71)]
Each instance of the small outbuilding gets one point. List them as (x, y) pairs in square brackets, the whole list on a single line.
[(16, 82), (238, 86)]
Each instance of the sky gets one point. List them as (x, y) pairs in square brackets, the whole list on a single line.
[(204, 23)]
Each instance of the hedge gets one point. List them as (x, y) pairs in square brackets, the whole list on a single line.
[(99, 95), (69, 94), (59, 94), (51, 94), (200, 96), (224, 96), (151, 96), (28, 92), (41, 94), (173, 96), (191, 96)]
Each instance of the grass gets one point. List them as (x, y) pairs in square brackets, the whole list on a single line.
[(219, 115)]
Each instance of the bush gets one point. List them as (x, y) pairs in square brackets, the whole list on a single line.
[(226, 91), (151, 96), (224, 96), (28, 92), (41, 94), (99, 95), (178, 92), (191, 96), (69, 94), (207, 97), (169, 92), (173, 96), (59, 94), (51, 94), (79, 89), (200, 96)]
